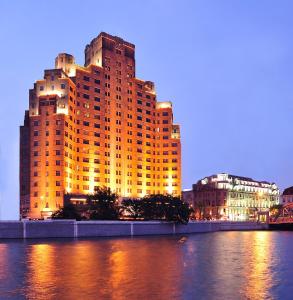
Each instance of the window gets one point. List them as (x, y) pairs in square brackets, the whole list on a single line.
[(63, 86)]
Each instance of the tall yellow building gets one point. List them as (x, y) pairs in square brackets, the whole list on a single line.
[(96, 125)]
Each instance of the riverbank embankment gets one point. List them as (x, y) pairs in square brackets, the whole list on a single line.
[(79, 229)]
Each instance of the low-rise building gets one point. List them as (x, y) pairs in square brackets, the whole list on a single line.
[(287, 196), (225, 196)]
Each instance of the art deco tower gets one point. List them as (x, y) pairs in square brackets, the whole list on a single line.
[(96, 125)]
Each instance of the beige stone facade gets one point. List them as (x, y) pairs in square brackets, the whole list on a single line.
[(229, 197)]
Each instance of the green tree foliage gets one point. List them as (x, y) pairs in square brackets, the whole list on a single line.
[(157, 207), (276, 207), (67, 212), (276, 211), (132, 208), (103, 205)]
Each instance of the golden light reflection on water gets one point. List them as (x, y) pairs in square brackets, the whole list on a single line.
[(41, 274), (3, 261), (257, 270), (223, 265), (102, 270)]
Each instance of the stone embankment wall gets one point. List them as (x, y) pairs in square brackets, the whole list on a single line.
[(75, 229)]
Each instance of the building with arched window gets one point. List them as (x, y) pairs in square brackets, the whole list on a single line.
[(229, 197)]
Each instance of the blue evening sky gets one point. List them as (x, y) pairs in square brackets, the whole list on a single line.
[(226, 66)]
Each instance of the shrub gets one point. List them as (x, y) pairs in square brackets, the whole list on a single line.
[(67, 212)]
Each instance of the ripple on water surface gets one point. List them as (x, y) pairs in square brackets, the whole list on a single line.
[(221, 265)]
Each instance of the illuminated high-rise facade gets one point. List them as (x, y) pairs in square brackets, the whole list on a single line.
[(96, 125)]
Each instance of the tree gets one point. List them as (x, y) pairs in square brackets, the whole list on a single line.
[(131, 208), (276, 210), (103, 205), (200, 210), (178, 211), (67, 212), (158, 207)]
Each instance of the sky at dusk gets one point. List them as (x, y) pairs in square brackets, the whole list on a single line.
[(226, 66)]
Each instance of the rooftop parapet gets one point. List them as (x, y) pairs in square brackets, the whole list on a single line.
[(166, 104)]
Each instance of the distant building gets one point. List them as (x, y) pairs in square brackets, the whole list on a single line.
[(225, 196), (188, 196), (287, 196)]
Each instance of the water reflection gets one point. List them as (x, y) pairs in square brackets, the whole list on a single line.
[(242, 265), (41, 274), (116, 269), (257, 266), (226, 265), (3, 261)]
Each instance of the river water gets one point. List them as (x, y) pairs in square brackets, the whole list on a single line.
[(220, 265)]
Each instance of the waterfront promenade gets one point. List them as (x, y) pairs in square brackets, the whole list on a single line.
[(74, 229)]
